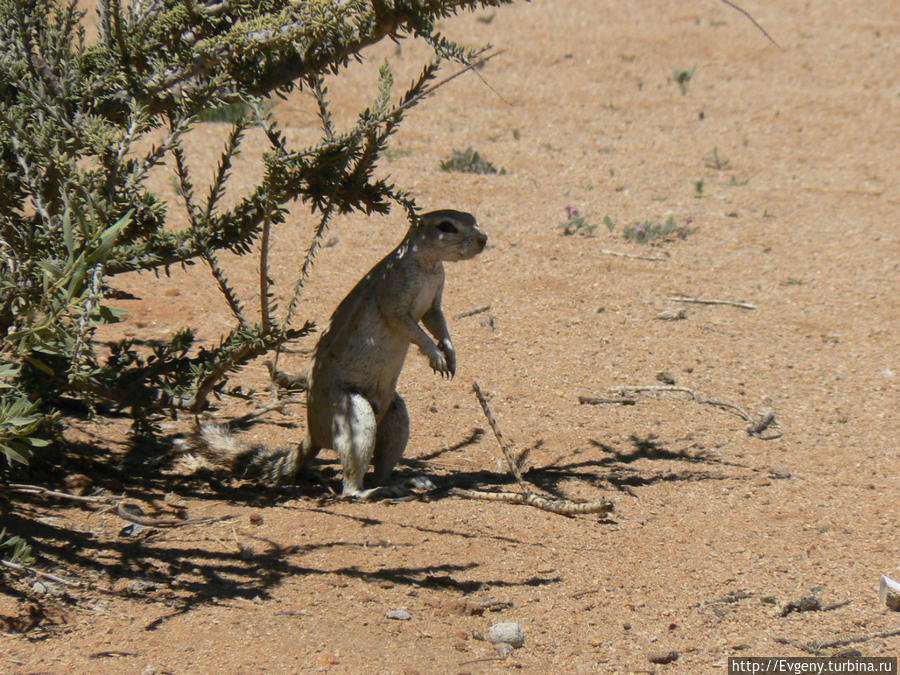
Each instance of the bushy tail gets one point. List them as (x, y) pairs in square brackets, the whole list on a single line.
[(272, 465)]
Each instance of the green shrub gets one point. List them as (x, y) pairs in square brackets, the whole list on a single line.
[(76, 210), (469, 161)]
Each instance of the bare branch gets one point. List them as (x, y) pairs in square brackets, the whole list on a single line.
[(563, 507), (711, 301), (752, 20), (628, 395)]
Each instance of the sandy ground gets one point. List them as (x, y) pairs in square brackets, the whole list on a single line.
[(717, 535)]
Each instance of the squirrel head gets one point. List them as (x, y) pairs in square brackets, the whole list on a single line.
[(448, 235)]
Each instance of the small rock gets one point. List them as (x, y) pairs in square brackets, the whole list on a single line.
[(326, 659), (807, 603), (663, 656), (132, 530), (889, 592), (175, 501), (38, 588), (141, 586), (672, 315), (256, 519), (504, 649), (507, 631), (665, 378), (399, 615)]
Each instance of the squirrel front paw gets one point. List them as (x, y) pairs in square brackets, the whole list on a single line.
[(439, 363), (450, 354)]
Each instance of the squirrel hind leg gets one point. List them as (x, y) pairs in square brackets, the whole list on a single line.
[(391, 439), (353, 437)]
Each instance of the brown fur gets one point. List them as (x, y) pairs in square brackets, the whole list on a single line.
[(353, 406)]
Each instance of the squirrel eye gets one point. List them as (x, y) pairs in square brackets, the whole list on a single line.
[(447, 226)]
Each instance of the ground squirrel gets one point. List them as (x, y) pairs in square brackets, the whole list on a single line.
[(352, 403)]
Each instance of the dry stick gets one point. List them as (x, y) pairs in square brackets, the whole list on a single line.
[(563, 507), (599, 401), (259, 412), (633, 256), (752, 20), (264, 318), (859, 638), (37, 490), (38, 573), (473, 312), (482, 660), (514, 469), (815, 648), (140, 519), (119, 503), (712, 301), (755, 430), (663, 388)]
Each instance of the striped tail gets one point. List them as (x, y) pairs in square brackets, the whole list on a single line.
[(272, 465)]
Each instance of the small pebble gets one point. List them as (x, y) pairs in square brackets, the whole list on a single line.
[(663, 656), (807, 603), (507, 632), (889, 592), (399, 615), (672, 315)]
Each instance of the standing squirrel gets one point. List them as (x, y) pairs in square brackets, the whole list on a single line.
[(352, 403)]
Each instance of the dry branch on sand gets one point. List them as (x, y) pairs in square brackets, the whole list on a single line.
[(712, 301), (628, 395), (563, 507), (124, 508)]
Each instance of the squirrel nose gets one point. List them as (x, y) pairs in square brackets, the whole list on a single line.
[(481, 240)]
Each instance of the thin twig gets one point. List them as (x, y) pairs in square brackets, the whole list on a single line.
[(815, 648), (38, 573), (140, 519), (621, 400), (120, 504), (511, 463), (627, 393), (764, 423), (667, 388), (607, 251), (473, 312), (485, 659), (712, 301), (430, 90), (38, 490), (563, 507), (234, 304), (259, 412), (752, 20), (264, 317), (858, 638)]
